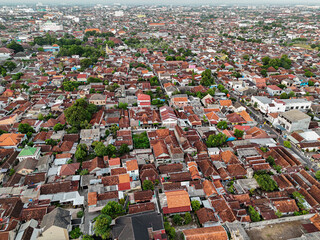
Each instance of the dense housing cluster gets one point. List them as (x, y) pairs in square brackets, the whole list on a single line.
[(157, 122)]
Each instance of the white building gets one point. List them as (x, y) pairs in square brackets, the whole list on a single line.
[(294, 120), (267, 105), (50, 26)]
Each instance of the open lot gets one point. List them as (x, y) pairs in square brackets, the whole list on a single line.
[(278, 231)]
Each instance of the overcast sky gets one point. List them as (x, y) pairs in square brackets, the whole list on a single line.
[(162, 2)]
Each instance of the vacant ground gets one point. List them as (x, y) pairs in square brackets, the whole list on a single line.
[(305, 46), (278, 231)]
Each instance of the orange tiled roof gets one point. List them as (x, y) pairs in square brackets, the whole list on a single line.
[(10, 139), (132, 165), (206, 233), (177, 199)]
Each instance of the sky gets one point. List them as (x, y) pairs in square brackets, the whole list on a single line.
[(166, 2)]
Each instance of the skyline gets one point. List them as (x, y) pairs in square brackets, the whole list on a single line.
[(165, 2)]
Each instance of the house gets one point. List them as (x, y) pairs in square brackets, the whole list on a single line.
[(273, 90), (11, 140), (168, 117), (179, 100), (145, 225), (98, 99), (294, 120), (29, 152), (206, 233), (90, 134), (132, 169), (56, 225), (94, 165), (144, 100), (267, 105), (175, 202), (62, 158), (287, 206), (69, 169), (26, 166), (82, 77), (207, 217), (9, 120), (6, 53)]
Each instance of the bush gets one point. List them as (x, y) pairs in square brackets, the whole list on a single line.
[(254, 215), (266, 183), (75, 233), (317, 175), (80, 214), (177, 219), (195, 205), (147, 185), (287, 144), (187, 218)]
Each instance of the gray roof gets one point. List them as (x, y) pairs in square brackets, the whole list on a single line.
[(295, 115), (58, 217), (264, 100), (135, 226)]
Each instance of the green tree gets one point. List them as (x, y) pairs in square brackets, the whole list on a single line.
[(51, 142), (111, 150), (279, 214), (100, 149), (287, 144), (81, 152), (84, 172), (58, 127), (123, 105), (85, 63), (187, 218), (114, 128), (107, 132), (311, 83), (141, 140), (270, 160), (9, 65), (171, 232), (11, 172), (75, 233), (25, 128), (79, 112), (15, 46), (195, 204), (284, 95), (87, 237), (124, 149), (216, 140), (266, 183), (40, 117), (111, 44), (80, 214), (113, 209), (317, 175), (254, 215), (291, 94), (206, 78), (147, 185), (102, 226), (177, 219), (222, 125), (238, 133)]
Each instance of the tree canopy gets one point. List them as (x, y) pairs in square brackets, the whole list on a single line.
[(102, 226), (266, 183), (113, 209), (80, 111), (216, 140)]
